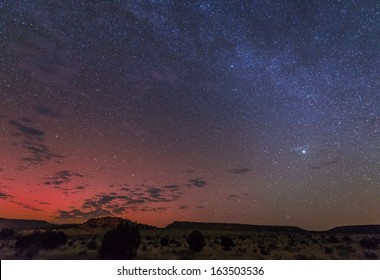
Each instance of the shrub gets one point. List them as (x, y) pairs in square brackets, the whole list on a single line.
[(121, 242), (6, 233), (196, 241), (264, 251), (226, 243), (332, 239), (92, 245), (347, 239), (26, 241), (328, 250), (369, 243), (164, 242), (52, 239)]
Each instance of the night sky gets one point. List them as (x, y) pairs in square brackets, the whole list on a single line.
[(259, 112)]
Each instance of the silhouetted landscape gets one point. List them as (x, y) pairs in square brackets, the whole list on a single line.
[(118, 238)]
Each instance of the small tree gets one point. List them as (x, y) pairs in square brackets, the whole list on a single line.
[(52, 239), (196, 241), (164, 242), (121, 242), (226, 243)]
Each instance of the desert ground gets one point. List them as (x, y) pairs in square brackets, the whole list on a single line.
[(83, 242)]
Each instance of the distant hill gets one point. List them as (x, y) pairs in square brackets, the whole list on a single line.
[(24, 224), (235, 227), (359, 229), (108, 222)]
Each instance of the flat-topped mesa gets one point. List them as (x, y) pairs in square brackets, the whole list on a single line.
[(357, 229), (234, 227), (24, 224)]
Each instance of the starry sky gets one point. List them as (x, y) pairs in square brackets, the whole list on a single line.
[(258, 112)]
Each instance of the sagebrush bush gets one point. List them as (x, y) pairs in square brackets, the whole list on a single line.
[(164, 242), (52, 239), (226, 243), (32, 243), (370, 243), (121, 242), (26, 241), (196, 241), (6, 233)]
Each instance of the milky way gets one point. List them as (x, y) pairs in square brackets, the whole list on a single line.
[(260, 112)]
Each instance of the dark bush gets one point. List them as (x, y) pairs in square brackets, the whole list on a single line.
[(328, 250), (370, 243), (6, 233), (332, 239), (264, 251), (92, 245), (226, 243), (52, 239), (347, 239), (26, 241), (196, 241), (173, 241), (121, 242), (164, 242)]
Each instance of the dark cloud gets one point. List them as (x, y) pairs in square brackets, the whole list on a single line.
[(27, 131), (8, 179), (172, 187), (26, 206), (233, 196), (105, 199), (33, 142), (46, 111), (198, 182), (5, 196), (79, 214), (42, 202), (153, 209), (239, 170), (324, 164), (119, 210), (181, 207), (80, 187), (62, 177), (45, 59), (39, 153)]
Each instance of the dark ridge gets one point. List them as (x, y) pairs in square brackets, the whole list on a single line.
[(235, 227), (360, 229), (24, 224), (107, 222)]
